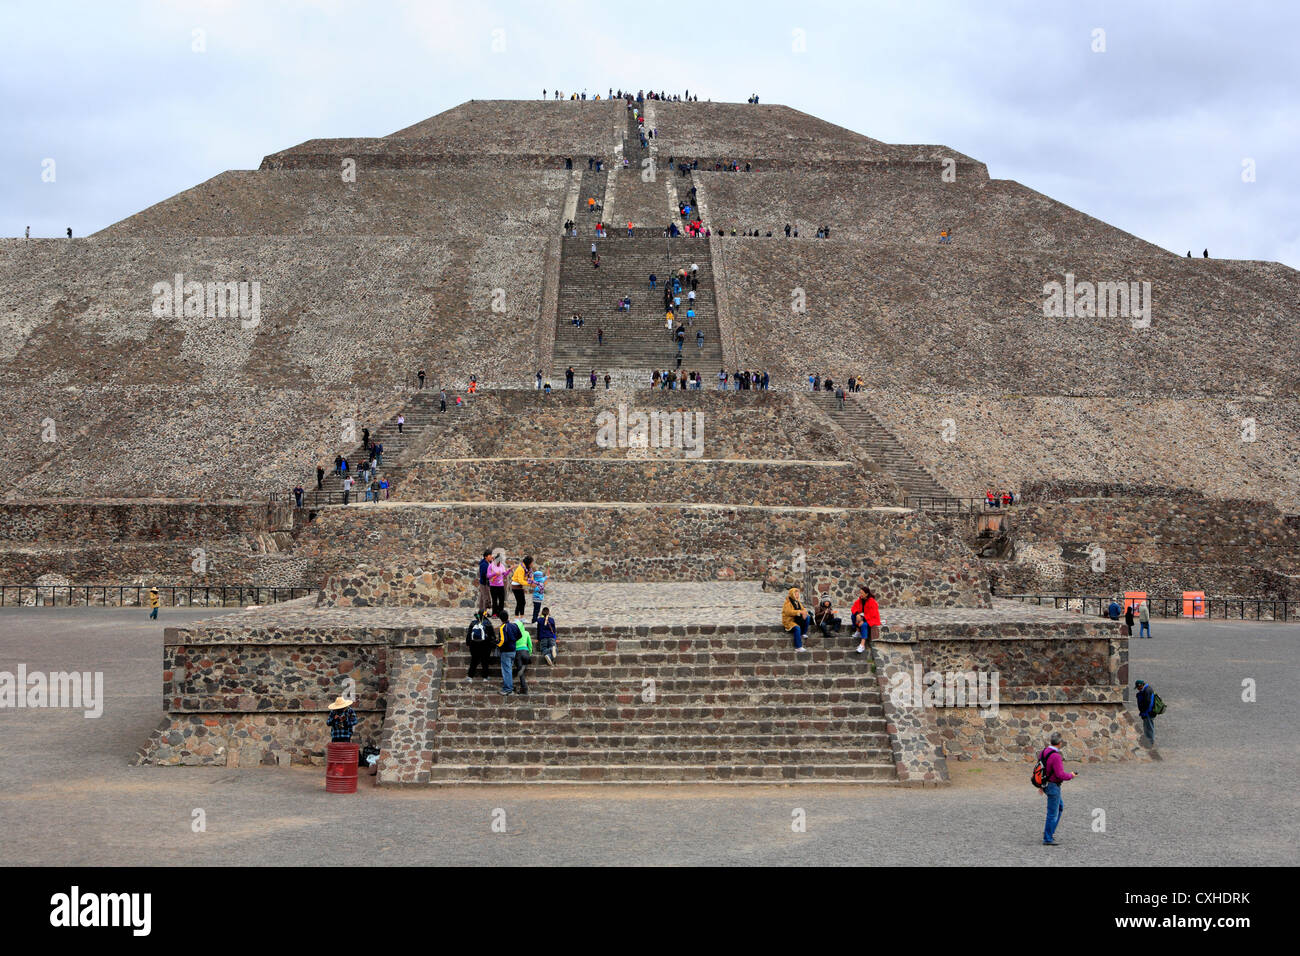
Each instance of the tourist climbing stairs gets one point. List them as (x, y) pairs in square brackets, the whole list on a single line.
[(635, 341), (423, 419), (591, 186)]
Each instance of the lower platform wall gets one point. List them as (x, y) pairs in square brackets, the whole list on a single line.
[(1071, 682), (258, 697)]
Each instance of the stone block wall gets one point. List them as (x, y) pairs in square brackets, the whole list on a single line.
[(915, 562), (139, 520), (944, 318), (958, 581), (517, 423), (169, 564), (1163, 544), (902, 204), (462, 201), (254, 696), (1049, 678), (403, 586), (827, 484), (1079, 445), (184, 544)]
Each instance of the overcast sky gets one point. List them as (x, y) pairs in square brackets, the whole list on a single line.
[(1150, 135)]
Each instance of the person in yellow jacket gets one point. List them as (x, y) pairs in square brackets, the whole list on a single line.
[(796, 619), (154, 604), (519, 580)]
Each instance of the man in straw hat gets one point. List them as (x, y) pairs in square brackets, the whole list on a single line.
[(154, 602), (342, 719)]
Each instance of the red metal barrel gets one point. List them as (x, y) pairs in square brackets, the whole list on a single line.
[(341, 767)]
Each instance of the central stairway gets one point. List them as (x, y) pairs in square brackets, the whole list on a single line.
[(736, 705), (641, 194), (635, 341)]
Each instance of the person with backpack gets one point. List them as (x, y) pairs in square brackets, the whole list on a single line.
[(507, 637), (1149, 707), (546, 636), (1049, 774), (480, 647)]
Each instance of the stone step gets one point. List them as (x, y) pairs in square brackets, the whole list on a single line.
[(615, 757), (880, 445), (563, 739), (637, 339), (505, 725), (554, 682), (875, 772), (541, 707), (635, 667), (768, 645)]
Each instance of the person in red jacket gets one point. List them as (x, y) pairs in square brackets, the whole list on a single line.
[(866, 617), (1056, 775)]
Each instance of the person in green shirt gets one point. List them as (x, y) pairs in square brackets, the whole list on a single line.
[(523, 656)]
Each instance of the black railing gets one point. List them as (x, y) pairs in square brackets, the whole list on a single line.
[(314, 499), (950, 505), (1224, 608), (137, 595)]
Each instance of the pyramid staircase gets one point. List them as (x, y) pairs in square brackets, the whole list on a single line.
[(635, 341), (422, 419), (880, 445), (656, 708)]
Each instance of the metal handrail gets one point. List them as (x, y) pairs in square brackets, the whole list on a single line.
[(939, 504), (1224, 608), (313, 499), (136, 595)]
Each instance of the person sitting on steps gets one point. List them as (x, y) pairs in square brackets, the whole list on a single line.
[(795, 619)]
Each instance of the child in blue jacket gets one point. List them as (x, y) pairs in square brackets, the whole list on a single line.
[(546, 636)]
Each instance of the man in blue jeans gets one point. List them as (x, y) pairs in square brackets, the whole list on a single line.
[(1056, 775), (507, 634)]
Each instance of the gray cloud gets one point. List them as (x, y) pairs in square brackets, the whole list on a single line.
[(1149, 135)]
